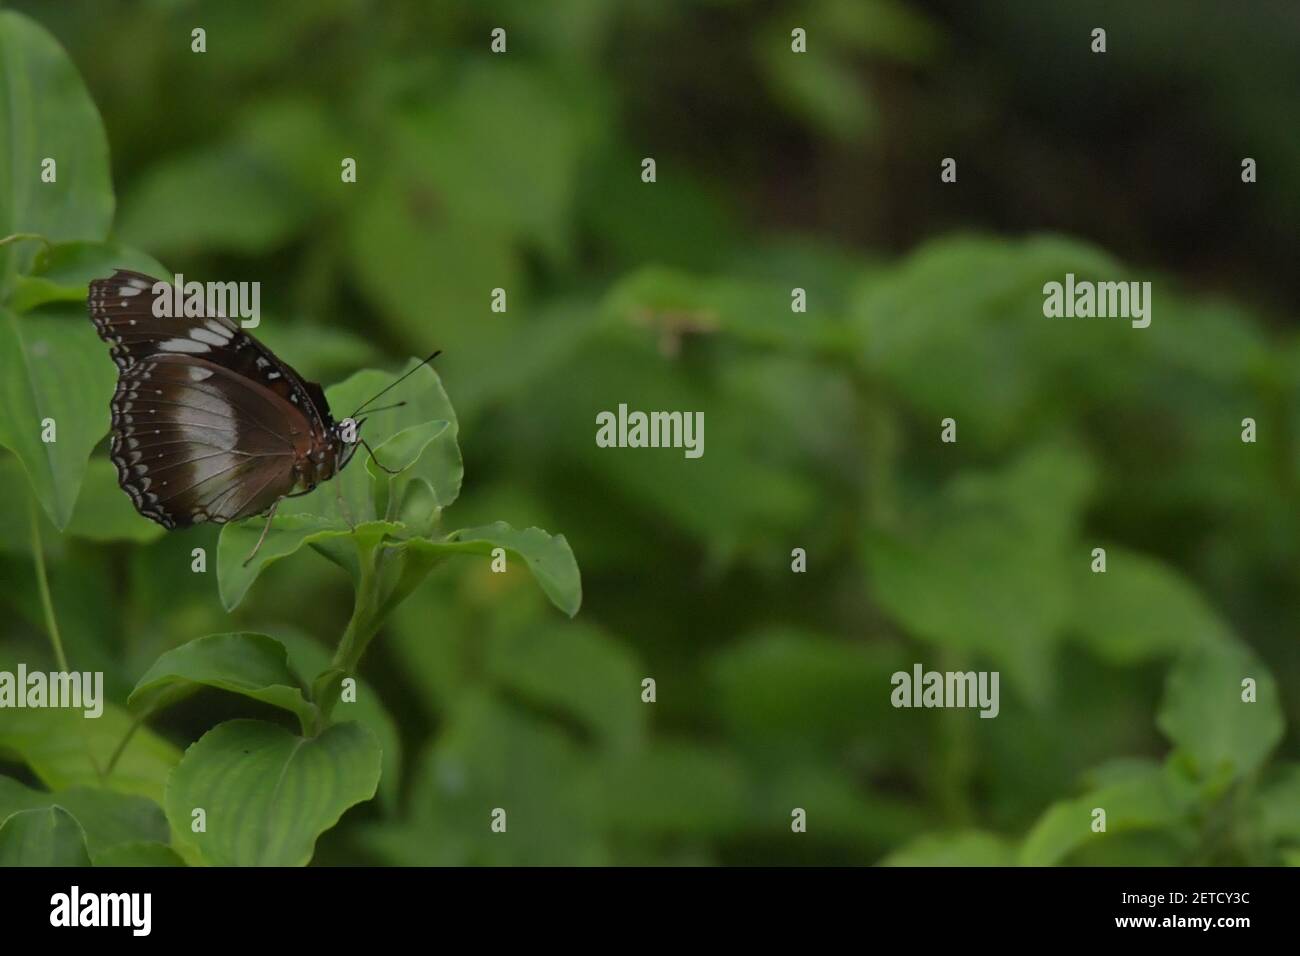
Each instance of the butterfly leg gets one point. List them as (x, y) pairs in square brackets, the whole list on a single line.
[(262, 537)]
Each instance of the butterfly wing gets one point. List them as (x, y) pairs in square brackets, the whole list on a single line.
[(123, 310), (194, 441)]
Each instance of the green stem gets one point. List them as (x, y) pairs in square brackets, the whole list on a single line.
[(25, 237), (43, 587), (121, 747), (361, 628)]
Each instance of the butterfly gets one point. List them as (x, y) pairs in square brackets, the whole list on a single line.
[(208, 424)]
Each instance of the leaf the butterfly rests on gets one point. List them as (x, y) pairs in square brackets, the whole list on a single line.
[(207, 423)]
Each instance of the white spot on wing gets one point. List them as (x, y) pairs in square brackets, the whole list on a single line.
[(211, 338), (184, 345)]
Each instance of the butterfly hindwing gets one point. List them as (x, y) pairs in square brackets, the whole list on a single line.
[(195, 442)]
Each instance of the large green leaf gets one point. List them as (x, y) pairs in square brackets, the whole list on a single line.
[(268, 795), (45, 112), (549, 557), (987, 569), (62, 272), (253, 665), (1139, 608), (1144, 797), (52, 366), (50, 836), (1204, 714), (109, 819), (65, 749)]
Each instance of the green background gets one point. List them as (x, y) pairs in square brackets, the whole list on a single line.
[(774, 171)]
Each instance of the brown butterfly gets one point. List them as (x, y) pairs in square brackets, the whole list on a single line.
[(207, 423)]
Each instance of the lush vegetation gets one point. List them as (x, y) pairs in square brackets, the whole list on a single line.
[(522, 172)]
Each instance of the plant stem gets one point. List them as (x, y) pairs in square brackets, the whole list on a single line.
[(121, 747), (361, 628), (43, 586), (25, 237)]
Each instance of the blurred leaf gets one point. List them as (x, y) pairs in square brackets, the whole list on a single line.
[(45, 112), (968, 848), (139, 854), (824, 88), (1139, 609), (791, 691), (65, 749), (577, 670), (1276, 807), (62, 272), (491, 756), (253, 665), (104, 511), (673, 303), (247, 194), (1147, 798), (988, 569), (267, 794), (674, 790), (47, 837), (108, 819), (965, 302), (53, 367), (1204, 715)]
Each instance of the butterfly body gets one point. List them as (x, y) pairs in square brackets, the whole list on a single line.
[(207, 423)]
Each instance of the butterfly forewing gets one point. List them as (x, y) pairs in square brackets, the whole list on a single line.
[(208, 425)]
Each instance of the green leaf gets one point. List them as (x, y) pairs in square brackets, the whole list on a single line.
[(988, 568), (253, 665), (247, 193), (104, 511), (53, 367), (268, 795), (65, 749), (1138, 609), (967, 848), (673, 789), (46, 837), (108, 819), (62, 272), (45, 112), (1204, 715), (318, 519), (547, 556), (1276, 807), (789, 692), (139, 854), (1148, 797), (405, 453), (576, 670)]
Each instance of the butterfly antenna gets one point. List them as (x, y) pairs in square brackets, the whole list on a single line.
[(385, 408), (396, 383), (376, 460)]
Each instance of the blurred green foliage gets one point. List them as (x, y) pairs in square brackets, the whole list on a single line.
[(775, 171)]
